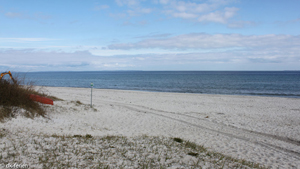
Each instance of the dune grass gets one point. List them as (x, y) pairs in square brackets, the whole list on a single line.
[(87, 151), (14, 98)]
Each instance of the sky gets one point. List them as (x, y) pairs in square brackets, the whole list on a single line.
[(149, 35)]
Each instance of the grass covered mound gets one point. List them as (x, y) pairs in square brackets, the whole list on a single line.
[(110, 152), (14, 98)]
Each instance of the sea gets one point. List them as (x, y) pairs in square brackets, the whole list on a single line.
[(255, 83)]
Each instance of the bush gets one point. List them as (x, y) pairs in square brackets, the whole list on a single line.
[(14, 97)]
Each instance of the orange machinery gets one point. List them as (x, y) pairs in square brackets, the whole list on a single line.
[(5, 73)]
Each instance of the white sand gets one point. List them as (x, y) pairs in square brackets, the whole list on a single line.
[(265, 130)]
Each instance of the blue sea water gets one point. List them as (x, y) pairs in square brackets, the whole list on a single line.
[(264, 83)]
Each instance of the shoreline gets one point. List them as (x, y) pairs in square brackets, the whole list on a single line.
[(255, 95), (264, 130)]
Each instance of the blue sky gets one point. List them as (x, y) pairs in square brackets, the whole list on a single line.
[(94, 35)]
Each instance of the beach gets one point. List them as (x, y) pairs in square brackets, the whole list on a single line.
[(263, 130)]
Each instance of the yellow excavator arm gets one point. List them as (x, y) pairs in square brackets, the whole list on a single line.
[(5, 73)]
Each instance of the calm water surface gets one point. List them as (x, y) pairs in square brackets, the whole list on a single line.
[(265, 83)]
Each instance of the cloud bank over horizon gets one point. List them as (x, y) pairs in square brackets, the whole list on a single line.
[(182, 50), (149, 35)]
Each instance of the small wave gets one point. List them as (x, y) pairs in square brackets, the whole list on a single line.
[(275, 94)]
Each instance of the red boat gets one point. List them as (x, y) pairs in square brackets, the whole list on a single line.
[(41, 99), (33, 97)]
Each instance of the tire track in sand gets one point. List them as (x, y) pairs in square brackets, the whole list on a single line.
[(262, 139)]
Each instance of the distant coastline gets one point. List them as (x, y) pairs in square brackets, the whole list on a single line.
[(163, 71)]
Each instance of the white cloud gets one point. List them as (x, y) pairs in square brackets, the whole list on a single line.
[(227, 49), (184, 15), (219, 16), (155, 35), (210, 11), (285, 57), (34, 60), (203, 11), (134, 8), (208, 41), (43, 60)]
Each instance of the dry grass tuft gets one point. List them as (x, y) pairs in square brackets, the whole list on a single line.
[(85, 151), (78, 102), (179, 140), (14, 98)]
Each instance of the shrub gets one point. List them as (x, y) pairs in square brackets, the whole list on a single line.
[(14, 97)]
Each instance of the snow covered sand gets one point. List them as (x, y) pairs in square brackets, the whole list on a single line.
[(264, 130)]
